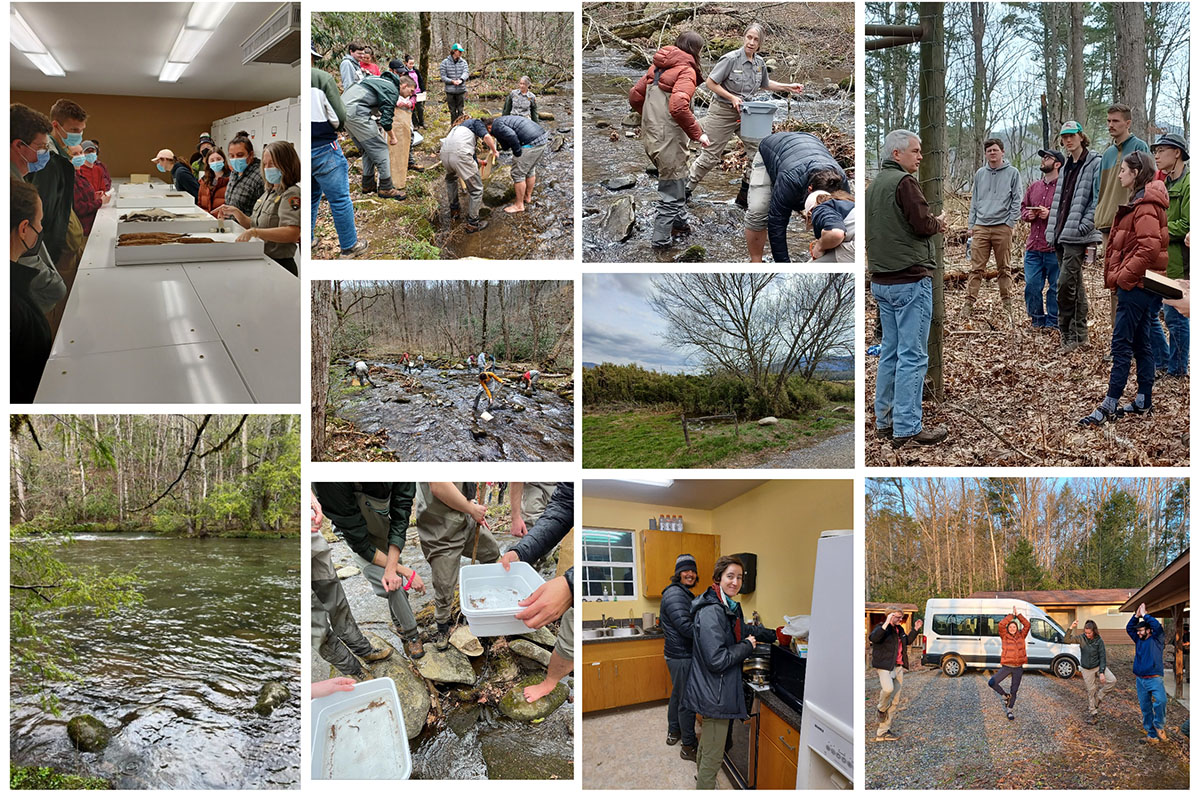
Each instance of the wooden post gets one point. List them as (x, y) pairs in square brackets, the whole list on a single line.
[(687, 442), (932, 87), (1177, 617)]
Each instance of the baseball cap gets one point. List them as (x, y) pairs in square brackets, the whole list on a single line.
[(89, 144), (1173, 140), (458, 47), (1071, 126), (1056, 155), (204, 137), (164, 153)]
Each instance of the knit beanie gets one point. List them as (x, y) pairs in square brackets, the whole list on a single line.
[(683, 563)]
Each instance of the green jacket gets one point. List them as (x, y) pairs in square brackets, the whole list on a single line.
[(1109, 192), (386, 90), (55, 183), (369, 516), (324, 81), (1091, 651), (892, 243), (1178, 224)]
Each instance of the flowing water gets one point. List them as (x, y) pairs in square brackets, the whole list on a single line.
[(717, 224), (439, 421), (176, 678)]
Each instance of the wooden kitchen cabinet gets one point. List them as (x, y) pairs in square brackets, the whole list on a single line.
[(661, 548), (778, 751), (624, 673)]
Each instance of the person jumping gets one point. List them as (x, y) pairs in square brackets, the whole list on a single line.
[(1012, 658)]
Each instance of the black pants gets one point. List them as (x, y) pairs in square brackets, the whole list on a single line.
[(418, 115), (457, 103), (289, 264), (1004, 672)]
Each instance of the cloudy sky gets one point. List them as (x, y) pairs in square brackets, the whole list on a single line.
[(620, 327)]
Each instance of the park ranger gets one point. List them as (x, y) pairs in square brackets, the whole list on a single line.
[(450, 527), (736, 77)]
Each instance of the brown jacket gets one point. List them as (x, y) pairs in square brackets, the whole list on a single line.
[(1012, 648), (212, 195), (679, 74), (1138, 240)]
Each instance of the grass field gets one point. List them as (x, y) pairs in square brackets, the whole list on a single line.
[(650, 439)]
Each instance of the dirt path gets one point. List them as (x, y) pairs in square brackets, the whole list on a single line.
[(954, 735), (834, 451)]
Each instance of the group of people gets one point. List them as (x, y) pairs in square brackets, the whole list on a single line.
[(705, 640), (889, 659), (373, 519), (785, 172)]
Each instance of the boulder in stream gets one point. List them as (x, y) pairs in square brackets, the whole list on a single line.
[(632, 120), (616, 224), (543, 636), (272, 695), (413, 692), (462, 718), (546, 115), (620, 183), (530, 654), (513, 704), (88, 733), (503, 664), (556, 144), (446, 666), (466, 642), (693, 255)]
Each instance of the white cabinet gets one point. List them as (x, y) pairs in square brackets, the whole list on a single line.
[(276, 121)]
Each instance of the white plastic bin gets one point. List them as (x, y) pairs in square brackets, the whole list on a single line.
[(757, 117), (489, 596), (360, 734)]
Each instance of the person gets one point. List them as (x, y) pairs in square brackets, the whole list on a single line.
[(337, 636), (1071, 229), (362, 373), (350, 68), (527, 142), (735, 77), (486, 378), (663, 96), (87, 200), (1137, 243), (246, 179), (372, 518), (181, 173), (199, 159), (29, 338), (400, 153), (95, 170), (458, 157), (900, 261), (1171, 158), (721, 641), (454, 73), (787, 167), (482, 361), (528, 381), (1012, 659), (330, 169), (418, 113), (1147, 635), (832, 218), (276, 215), (995, 206), (553, 599), (372, 96), (214, 182), (1098, 679), (675, 617), (55, 183), (451, 526), (529, 500), (471, 361), (1041, 262), (29, 151), (367, 61), (889, 658), (521, 101)]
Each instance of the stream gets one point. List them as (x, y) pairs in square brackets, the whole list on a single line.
[(176, 679), (544, 231), (717, 224), (438, 422)]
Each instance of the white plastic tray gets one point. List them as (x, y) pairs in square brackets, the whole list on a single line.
[(360, 734), (489, 596), (223, 249), (151, 195)]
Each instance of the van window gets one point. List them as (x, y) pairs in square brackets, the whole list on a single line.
[(1042, 630), (991, 624), (956, 624)]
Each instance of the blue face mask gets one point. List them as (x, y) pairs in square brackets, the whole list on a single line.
[(43, 158), (78, 161), (273, 174), (91, 157), (217, 166), (238, 164), (161, 168), (73, 139)]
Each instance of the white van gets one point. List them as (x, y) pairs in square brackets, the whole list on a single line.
[(962, 633)]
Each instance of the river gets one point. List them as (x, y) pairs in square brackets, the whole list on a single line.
[(176, 678)]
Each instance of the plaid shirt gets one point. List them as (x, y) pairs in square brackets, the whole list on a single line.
[(245, 188)]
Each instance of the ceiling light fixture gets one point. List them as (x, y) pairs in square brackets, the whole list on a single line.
[(663, 484), (202, 21), (24, 39)]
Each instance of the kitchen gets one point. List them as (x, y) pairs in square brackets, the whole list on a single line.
[(793, 551)]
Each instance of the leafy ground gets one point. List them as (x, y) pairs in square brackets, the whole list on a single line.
[(1012, 400), (954, 735), (637, 438)]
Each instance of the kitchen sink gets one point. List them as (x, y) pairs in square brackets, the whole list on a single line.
[(592, 634)]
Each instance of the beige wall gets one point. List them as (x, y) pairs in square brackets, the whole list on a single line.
[(1098, 614), (132, 130)]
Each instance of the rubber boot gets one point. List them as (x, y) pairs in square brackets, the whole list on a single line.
[(671, 207), (443, 636), (742, 201), (475, 225), (368, 185)]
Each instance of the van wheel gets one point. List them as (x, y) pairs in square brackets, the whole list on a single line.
[(952, 666), (1063, 667)]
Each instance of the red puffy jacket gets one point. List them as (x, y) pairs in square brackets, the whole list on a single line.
[(211, 195), (1138, 240), (679, 78)]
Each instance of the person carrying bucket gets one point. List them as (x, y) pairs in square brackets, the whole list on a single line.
[(738, 75)]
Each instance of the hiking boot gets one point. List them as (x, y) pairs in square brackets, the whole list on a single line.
[(476, 225), (883, 433), (672, 739), (1100, 416), (742, 201), (886, 736), (680, 228), (413, 648), (364, 674), (1066, 348), (927, 436), (1162, 736), (377, 653), (392, 194), (1009, 713), (1149, 740), (369, 186), (414, 166), (443, 636), (687, 753), (360, 247)]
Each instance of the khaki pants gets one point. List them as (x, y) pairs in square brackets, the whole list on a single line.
[(986, 240), (1095, 689), (565, 646), (462, 164), (758, 198), (445, 541), (534, 499), (402, 614), (890, 684), (721, 123), (710, 751), (398, 153), (525, 165)]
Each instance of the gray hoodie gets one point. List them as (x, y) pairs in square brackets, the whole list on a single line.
[(996, 197)]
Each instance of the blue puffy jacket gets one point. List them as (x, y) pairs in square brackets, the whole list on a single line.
[(791, 160), (1148, 652), (675, 615)]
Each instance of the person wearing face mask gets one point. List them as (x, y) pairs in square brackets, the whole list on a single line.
[(29, 151), (276, 216), (214, 182), (29, 330), (56, 185), (245, 175), (721, 641), (180, 173), (199, 158), (1147, 635), (87, 199), (94, 169)]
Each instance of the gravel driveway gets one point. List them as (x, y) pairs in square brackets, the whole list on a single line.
[(954, 735)]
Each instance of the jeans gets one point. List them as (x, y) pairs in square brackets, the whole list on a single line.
[(1072, 296), (1041, 270), (331, 177), (1131, 339), (1177, 355), (1158, 339), (680, 720), (1014, 685), (905, 309), (1152, 697)]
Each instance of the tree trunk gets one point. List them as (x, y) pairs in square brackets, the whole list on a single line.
[(500, 291), (1078, 89), (18, 476), (1130, 24), (426, 18), (978, 120), (483, 323), (322, 344)]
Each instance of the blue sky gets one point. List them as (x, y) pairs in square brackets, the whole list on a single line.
[(620, 327)]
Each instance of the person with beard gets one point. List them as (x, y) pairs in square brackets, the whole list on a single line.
[(1147, 635), (675, 616), (1041, 262)]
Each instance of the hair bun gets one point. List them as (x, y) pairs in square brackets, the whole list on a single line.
[(244, 133)]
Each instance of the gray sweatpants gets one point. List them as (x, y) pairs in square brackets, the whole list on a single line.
[(721, 123), (365, 132)]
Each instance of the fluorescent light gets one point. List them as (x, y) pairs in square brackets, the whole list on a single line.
[(207, 16), (663, 484), (171, 72), (188, 44), (22, 36), (46, 63)]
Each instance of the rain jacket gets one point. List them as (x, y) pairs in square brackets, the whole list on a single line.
[(719, 647), (677, 73), (884, 642), (1138, 240), (1179, 223), (391, 501), (552, 526), (675, 616), (1012, 647)]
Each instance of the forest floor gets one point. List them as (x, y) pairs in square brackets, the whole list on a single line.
[(419, 227), (1012, 400), (625, 438), (953, 734)]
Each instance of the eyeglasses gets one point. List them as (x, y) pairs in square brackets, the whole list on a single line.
[(38, 153)]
